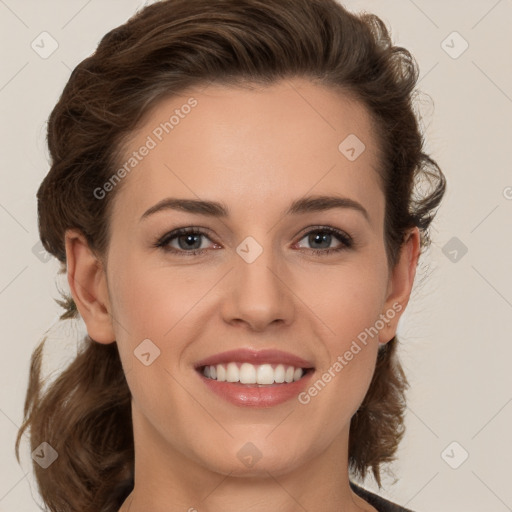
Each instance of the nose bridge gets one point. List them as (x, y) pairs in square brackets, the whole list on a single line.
[(258, 294)]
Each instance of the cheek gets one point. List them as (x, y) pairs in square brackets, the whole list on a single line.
[(147, 307), (350, 305), (159, 304), (348, 299), (351, 311), (148, 300)]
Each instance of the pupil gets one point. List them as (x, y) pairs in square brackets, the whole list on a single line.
[(190, 241), (321, 237)]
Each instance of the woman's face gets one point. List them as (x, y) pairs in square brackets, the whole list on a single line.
[(263, 283)]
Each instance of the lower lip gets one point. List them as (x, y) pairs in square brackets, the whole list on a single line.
[(254, 395)]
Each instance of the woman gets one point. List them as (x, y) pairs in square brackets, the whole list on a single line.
[(198, 158)]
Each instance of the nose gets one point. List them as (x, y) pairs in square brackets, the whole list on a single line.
[(257, 293)]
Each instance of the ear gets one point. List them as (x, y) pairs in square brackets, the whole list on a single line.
[(88, 284), (400, 284)]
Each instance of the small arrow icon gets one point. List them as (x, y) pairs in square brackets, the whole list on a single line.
[(249, 249), (454, 45), (44, 45), (44, 455), (454, 249), (146, 352), (351, 147), (454, 455), (40, 253), (249, 454)]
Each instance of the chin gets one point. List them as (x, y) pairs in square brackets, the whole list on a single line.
[(274, 465), (255, 459)]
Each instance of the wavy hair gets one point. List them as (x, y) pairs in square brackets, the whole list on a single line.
[(167, 46)]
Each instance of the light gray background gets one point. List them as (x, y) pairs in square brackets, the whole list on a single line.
[(455, 336)]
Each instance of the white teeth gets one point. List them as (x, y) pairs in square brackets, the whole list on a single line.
[(221, 373), (232, 373), (248, 373), (265, 374), (279, 373)]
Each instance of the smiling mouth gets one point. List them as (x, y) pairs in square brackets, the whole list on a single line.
[(248, 374)]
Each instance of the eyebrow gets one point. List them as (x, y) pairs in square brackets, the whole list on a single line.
[(308, 204)]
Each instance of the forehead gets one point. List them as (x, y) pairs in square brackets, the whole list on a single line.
[(251, 148)]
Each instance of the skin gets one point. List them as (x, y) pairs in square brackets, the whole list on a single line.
[(256, 150)]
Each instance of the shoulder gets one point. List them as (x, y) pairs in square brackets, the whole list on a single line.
[(381, 504)]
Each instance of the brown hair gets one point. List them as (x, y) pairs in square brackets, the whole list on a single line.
[(168, 46)]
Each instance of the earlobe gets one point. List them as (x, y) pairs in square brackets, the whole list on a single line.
[(88, 284), (400, 284)]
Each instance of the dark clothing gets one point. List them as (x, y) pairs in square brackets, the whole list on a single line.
[(377, 501)]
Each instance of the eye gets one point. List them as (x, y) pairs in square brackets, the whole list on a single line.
[(188, 241), (323, 236)]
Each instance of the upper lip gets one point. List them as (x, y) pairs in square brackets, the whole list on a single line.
[(256, 357)]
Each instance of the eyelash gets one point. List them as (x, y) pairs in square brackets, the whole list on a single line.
[(163, 242)]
